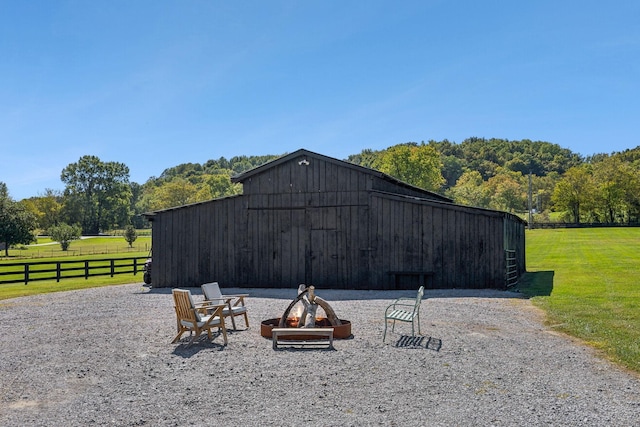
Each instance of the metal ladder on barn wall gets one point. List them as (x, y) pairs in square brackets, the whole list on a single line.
[(511, 273)]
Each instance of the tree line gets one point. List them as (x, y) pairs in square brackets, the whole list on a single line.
[(514, 176), (551, 182)]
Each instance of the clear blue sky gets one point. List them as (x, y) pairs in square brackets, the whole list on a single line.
[(153, 84)]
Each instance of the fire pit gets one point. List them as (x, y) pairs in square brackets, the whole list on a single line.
[(307, 317)]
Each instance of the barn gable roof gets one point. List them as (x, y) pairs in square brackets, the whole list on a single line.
[(341, 163)]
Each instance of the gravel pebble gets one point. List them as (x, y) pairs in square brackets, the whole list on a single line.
[(103, 356)]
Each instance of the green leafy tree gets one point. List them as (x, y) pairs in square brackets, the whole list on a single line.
[(136, 219), (17, 224), (470, 190), (452, 170), (419, 165), (616, 185), (508, 192), (97, 194), (574, 192), (177, 192), (47, 208), (65, 234), (220, 185), (130, 235)]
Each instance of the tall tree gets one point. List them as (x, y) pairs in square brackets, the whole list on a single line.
[(470, 190), (616, 188), (47, 208), (574, 191), (177, 192), (508, 191), (97, 193), (17, 224), (419, 165)]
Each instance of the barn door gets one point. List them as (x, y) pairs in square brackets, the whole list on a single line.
[(278, 242), (326, 252), (324, 258)]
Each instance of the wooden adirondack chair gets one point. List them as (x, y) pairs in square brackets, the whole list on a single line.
[(197, 318), (234, 304), (404, 309)]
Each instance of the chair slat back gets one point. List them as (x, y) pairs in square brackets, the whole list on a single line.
[(416, 308), (185, 309)]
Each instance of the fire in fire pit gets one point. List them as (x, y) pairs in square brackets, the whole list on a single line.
[(308, 318)]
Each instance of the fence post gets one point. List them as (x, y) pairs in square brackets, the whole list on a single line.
[(112, 266), (86, 270), (58, 272), (26, 274)]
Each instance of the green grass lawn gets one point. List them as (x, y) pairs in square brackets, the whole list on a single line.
[(45, 248), (14, 290), (90, 248), (587, 282)]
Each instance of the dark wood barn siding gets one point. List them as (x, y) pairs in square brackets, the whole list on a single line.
[(199, 243), (323, 224), (514, 234), (307, 224), (463, 247)]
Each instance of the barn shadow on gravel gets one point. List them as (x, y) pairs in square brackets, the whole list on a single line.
[(536, 284)]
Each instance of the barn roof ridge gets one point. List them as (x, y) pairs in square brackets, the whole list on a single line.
[(343, 163)]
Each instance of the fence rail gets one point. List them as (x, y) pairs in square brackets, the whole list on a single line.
[(25, 272), (581, 224)]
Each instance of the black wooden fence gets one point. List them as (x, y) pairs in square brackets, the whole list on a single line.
[(25, 272)]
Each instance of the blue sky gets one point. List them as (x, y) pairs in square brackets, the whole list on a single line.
[(153, 84)]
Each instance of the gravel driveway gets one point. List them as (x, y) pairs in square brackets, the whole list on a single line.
[(104, 356)]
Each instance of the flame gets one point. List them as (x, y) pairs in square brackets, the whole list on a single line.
[(296, 311)]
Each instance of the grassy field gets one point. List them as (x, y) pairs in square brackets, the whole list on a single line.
[(14, 290), (90, 248), (587, 282), (45, 248)]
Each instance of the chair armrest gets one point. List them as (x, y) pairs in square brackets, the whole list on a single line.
[(207, 305), (401, 305), (405, 299), (222, 301), (239, 299), (393, 306), (216, 309)]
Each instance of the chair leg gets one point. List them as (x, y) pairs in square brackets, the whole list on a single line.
[(175, 340), (385, 330), (193, 339), (233, 321), (246, 319), (224, 329)]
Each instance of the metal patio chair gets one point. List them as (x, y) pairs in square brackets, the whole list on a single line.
[(404, 309)]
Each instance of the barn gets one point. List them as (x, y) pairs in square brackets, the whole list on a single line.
[(308, 218)]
